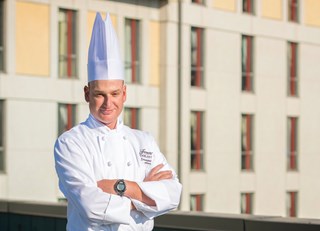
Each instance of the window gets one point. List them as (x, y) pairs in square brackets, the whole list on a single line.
[(67, 43), (198, 1), (247, 63), (196, 202), (1, 35), (247, 6), (292, 199), (131, 117), (132, 51), (293, 7), (196, 140), (292, 69), (2, 160), (247, 142), (67, 117), (197, 57), (247, 203), (292, 144)]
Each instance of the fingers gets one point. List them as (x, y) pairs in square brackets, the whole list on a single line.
[(156, 169), (156, 175)]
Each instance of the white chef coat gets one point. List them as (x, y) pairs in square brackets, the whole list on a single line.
[(90, 152)]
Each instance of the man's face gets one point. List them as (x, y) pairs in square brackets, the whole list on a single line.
[(106, 99)]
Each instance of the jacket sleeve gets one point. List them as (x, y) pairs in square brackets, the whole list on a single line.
[(77, 182), (166, 193)]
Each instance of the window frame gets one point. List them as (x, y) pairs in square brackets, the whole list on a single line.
[(2, 36), (292, 203), (247, 200), (293, 11), (200, 2), (198, 199), (247, 64), (248, 7), (70, 117), (292, 62), (134, 117), (247, 148), (68, 62), (292, 143), (197, 72), (197, 153), (132, 62), (3, 137)]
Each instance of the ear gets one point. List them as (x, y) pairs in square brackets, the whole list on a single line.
[(124, 89), (86, 93)]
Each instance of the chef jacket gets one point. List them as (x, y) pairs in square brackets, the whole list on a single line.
[(90, 152)]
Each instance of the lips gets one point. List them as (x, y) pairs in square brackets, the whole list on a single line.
[(106, 111)]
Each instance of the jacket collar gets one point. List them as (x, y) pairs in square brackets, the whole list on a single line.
[(93, 123)]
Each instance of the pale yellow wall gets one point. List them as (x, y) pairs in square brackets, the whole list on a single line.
[(312, 12), (272, 9), (229, 5), (32, 39), (154, 54), (90, 20)]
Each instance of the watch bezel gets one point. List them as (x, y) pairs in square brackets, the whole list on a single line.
[(118, 190)]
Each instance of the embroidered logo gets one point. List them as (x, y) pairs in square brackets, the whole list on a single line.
[(146, 156)]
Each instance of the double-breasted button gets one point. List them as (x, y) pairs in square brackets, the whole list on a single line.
[(129, 163), (109, 163)]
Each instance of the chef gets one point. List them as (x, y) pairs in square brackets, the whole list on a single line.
[(114, 177)]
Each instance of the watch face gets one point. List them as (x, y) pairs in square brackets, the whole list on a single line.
[(121, 186)]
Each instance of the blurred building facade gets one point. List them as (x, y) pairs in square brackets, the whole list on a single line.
[(229, 88)]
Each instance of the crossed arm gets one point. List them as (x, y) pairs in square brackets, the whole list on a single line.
[(133, 190)]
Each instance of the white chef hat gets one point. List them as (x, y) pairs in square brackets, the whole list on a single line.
[(104, 62)]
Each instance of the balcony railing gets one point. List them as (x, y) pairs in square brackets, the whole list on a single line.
[(30, 216)]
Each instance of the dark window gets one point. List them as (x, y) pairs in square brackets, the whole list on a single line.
[(196, 133), (197, 68), (292, 69), (67, 43), (132, 51), (66, 116), (247, 6), (132, 117), (247, 63), (293, 7), (247, 142)]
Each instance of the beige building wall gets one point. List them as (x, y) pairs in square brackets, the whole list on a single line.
[(32, 39), (154, 51), (272, 9), (228, 5), (312, 12)]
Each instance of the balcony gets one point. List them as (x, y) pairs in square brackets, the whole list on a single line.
[(31, 216)]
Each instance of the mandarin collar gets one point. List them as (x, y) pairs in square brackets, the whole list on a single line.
[(102, 128)]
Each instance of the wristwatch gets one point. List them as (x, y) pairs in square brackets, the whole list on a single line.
[(120, 187)]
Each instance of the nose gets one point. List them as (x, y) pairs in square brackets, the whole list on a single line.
[(107, 101)]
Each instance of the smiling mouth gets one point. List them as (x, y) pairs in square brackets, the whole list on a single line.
[(106, 111)]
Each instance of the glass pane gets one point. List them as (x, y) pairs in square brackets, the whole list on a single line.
[(132, 51), (66, 117), (196, 144), (247, 63), (1, 136), (67, 44), (1, 123), (247, 6), (197, 42), (1, 36), (246, 142), (292, 144), (131, 117)]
